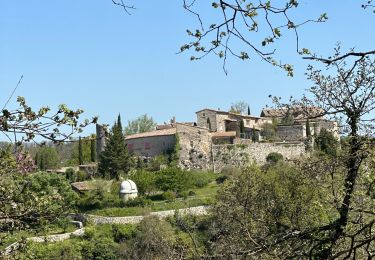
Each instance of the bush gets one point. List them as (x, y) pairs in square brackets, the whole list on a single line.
[(138, 202), (273, 158), (221, 179), (192, 193), (326, 142), (169, 196), (145, 181), (81, 176), (123, 232), (70, 175), (172, 179)]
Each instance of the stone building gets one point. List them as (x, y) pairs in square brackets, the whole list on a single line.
[(151, 144), (292, 122), (220, 138), (245, 126)]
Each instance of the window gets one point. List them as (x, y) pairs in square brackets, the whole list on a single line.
[(203, 114), (247, 121)]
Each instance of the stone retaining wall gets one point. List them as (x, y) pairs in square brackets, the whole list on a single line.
[(51, 238), (98, 220), (241, 154)]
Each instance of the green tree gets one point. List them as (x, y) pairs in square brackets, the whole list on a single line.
[(115, 158), (80, 153), (85, 147), (141, 124), (326, 142), (92, 149), (31, 201), (265, 208), (248, 111), (48, 158)]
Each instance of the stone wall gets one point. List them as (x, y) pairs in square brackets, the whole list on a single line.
[(42, 239), (151, 146), (195, 147), (203, 116), (98, 220), (239, 155), (291, 132)]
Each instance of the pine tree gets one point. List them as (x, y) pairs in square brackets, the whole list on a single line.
[(80, 154), (115, 158)]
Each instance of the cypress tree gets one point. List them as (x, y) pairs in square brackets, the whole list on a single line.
[(42, 166), (248, 110), (80, 154), (37, 159), (119, 124), (115, 158), (93, 150)]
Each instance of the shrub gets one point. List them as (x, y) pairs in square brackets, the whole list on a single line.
[(81, 176), (273, 158), (192, 193), (169, 196), (138, 202), (221, 179), (70, 175), (326, 142), (145, 181), (123, 232)]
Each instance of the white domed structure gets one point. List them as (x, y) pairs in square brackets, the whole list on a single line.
[(128, 190)]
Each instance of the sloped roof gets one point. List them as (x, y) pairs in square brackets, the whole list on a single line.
[(163, 132), (298, 113)]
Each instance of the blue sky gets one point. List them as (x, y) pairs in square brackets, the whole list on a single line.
[(91, 55)]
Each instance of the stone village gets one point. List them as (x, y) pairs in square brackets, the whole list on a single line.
[(220, 139)]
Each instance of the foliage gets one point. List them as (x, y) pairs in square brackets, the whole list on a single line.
[(326, 142), (47, 158), (86, 150), (240, 107), (8, 163), (145, 181), (268, 131), (154, 239), (34, 200), (261, 208), (115, 157), (101, 197), (156, 162), (138, 202), (93, 149), (80, 153), (273, 158), (140, 125), (26, 123)]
